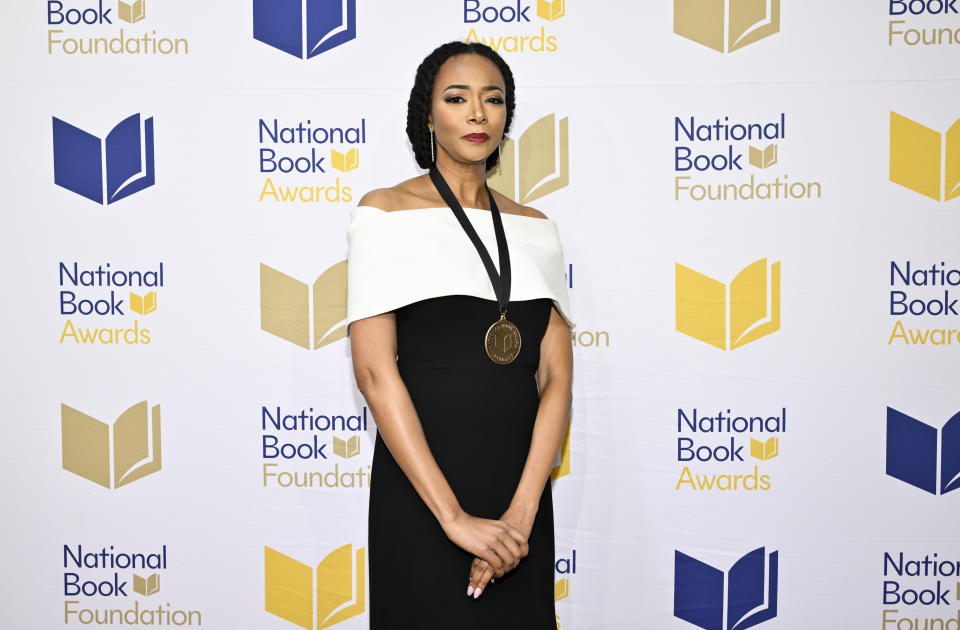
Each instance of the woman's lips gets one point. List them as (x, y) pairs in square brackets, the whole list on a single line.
[(476, 137)]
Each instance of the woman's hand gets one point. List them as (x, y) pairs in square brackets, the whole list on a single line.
[(496, 542), (481, 571)]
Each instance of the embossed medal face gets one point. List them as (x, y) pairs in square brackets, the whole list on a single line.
[(502, 341)]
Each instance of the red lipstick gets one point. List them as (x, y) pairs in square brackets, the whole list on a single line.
[(476, 137)]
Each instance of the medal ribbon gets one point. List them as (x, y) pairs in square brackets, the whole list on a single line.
[(501, 281)]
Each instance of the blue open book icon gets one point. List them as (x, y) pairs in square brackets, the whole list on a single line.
[(304, 28), (80, 159), (750, 598), (912, 452)]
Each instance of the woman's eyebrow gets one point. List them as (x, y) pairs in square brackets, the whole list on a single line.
[(467, 87)]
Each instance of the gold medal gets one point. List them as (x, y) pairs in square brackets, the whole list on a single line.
[(502, 341)]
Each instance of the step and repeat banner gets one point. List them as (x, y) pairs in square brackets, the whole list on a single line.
[(759, 202)]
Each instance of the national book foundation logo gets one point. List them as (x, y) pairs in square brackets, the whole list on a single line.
[(923, 23), (316, 598), (73, 19), (916, 589), (712, 155), (307, 449), (306, 151), (304, 28), (729, 316), (106, 170), (914, 448), (536, 164), (509, 26), (104, 576), (726, 25), (289, 311), (923, 159), (112, 455), (716, 450), (740, 598)]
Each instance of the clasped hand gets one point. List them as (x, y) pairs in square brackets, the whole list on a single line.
[(497, 546)]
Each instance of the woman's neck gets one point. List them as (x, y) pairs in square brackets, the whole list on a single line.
[(467, 181)]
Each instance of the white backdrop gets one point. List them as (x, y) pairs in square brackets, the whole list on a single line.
[(622, 78)]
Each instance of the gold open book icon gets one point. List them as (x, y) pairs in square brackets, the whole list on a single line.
[(335, 590), (753, 298), (288, 310), (135, 440)]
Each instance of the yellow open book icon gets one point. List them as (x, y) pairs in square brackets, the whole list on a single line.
[(753, 298), (915, 158), (146, 585), (561, 590), (287, 309), (765, 450), (762, 158), (346, 448), (143, 304), (563, 468), (135, 440), (539, 162), (726, 25), (337, 590), (550, 10), (131, 11), (345, 162)]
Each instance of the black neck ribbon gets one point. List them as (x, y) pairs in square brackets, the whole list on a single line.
[(501, 281)]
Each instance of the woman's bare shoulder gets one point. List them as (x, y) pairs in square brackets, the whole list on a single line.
[(407, 195), (509, 206)]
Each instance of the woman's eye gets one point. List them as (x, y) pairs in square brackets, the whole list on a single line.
[(496, 100), (454, 99)]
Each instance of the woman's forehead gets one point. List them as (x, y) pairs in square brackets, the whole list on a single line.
[(468, 70)]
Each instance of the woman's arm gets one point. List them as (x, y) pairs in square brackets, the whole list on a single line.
[(374, 349), (555, 378)]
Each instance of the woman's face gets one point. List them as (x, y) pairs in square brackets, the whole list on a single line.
[(468, 109)]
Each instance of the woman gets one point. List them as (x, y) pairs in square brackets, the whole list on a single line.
[(470, 415)]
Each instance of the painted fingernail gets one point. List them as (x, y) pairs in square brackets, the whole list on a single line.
[(476, 593), (469, 591)]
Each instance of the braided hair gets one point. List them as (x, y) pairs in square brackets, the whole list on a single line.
[(421, 96)]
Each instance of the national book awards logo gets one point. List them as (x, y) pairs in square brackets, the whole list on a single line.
[(111, 454), (309, 315), (729, 316), (104, 170), (96, 28), (535, 164), (304, 28), (923, 159), (923, 301), (307, 449), (740, 598), (510, 26), (725, 452), (316, 597), (711, 157), (914, 449), (565, 568), (107, 305), (119, 586), (923, 23), (306, 162), (920, 591), (726, 25)]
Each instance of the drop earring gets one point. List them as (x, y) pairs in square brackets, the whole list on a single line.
[(433, 159)]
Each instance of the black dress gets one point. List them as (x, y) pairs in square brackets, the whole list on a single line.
[(478, 418)]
